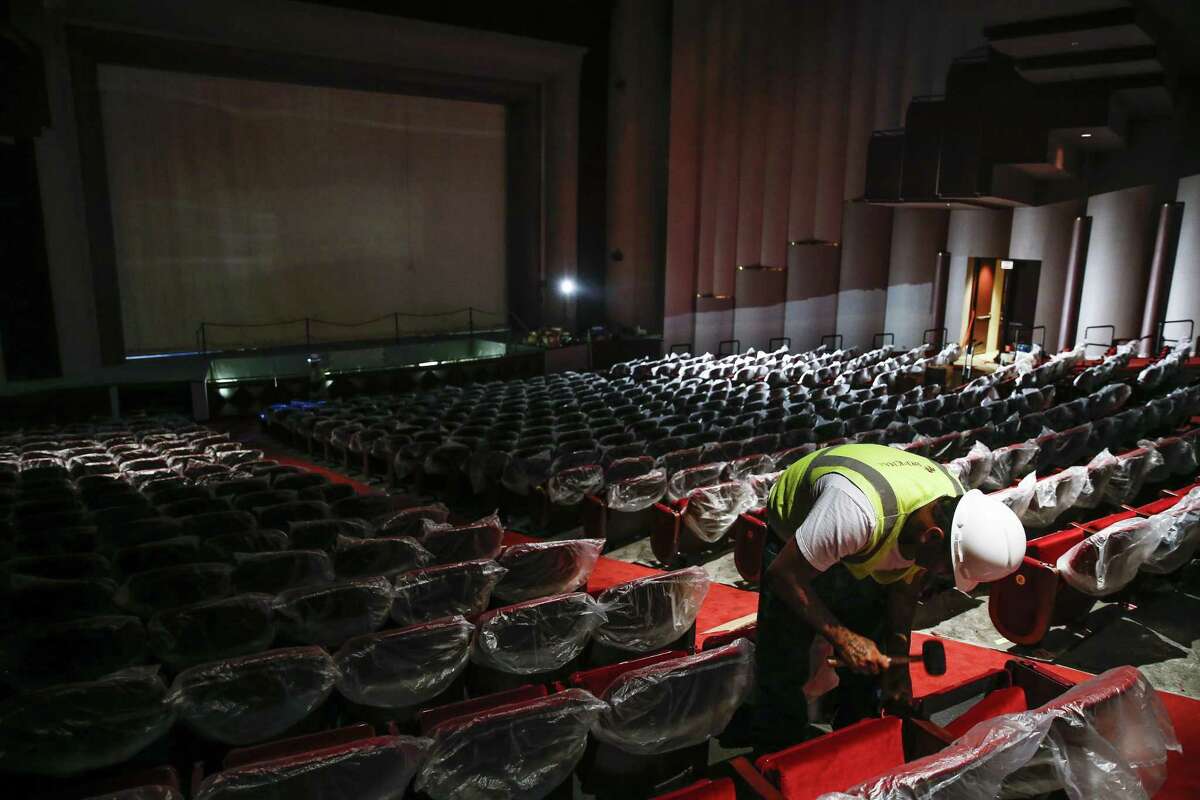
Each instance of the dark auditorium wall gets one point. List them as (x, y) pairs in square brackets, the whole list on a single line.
[(772, 107)]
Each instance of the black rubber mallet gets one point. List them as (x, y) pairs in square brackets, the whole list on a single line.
[(933, 657)]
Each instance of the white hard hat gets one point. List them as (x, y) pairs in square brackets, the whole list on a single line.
[(987, 540)]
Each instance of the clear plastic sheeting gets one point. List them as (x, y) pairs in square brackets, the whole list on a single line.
[(1053, 496), (540, 569), (71, 728), (761, 486), (568, 487), (403, 668), (742, 468), (684, 481), (453, 589), (1105, 738), (379, 768), (386, 555), (1010, 463), (253, 698), (213, 630), (411, 521), (1108, 560), (972, 469), (637, 493), (646, 614), (677, 703), (520, 752), (156, 590), (524, 471), (536, 636), (1130, 474), (69, 652), (712, 510), (1100, 471), (331, 614), (1019, 497), (272, 573), (450, 544)]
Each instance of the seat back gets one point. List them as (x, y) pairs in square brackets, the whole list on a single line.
[(836, 761), (673, 704), (649, 613), (526, 749)]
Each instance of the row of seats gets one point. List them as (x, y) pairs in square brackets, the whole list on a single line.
[(1063, 573)]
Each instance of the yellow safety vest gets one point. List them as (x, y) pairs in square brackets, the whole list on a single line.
[(897, 483)]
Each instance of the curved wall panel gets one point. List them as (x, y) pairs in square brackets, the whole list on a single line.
[(1183, 302), (1114, 281), (1043, 233)]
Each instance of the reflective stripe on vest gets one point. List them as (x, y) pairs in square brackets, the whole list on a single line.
[(919, 480)]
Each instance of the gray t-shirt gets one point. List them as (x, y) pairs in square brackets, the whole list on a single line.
[(839, 525)]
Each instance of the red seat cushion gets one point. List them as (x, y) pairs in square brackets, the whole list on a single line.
[(1048, 548), (1000, 701), (840, 759)]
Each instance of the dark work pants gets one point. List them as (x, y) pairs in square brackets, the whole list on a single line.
[(783, 642)]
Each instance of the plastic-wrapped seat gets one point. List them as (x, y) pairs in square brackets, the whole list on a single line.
[(537, 636), (332, 613), (325, 534), (72, 728), (375, 768), (449, 543), (253, 698), (636, 493), (406, 667), (453, 589), (649, 613), (274, 572), (282, 515), (411, 521), (225, 546), (524, 750), (676, 703), (156, 590), (70, 566), (709, 511), (389, 555), (540, 569), (1106, 737), (164, 553), (68, 652), (36, 601), (218, 523), (213, 630)]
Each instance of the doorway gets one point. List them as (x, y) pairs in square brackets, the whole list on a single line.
[(1001, 304)]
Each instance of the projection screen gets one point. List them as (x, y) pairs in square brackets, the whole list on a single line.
[(257, 203)]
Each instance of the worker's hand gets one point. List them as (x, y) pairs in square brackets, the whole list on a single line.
[(858, 653)]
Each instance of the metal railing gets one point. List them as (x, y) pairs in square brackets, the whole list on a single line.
[(832, 337), (785, 340), (1162, 340), (733, 350), (877, 339), (397, 334), (1087, 332), (938, 343)]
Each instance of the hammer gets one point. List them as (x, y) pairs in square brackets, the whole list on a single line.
[(933, 657)]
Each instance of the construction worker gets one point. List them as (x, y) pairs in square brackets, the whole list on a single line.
[(855, 531)]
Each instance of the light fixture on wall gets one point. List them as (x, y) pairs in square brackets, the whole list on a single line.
[(1085, 136), (567, 287), (1006, 263)]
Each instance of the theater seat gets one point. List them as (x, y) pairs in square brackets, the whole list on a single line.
[(837, 760), (660, 709), (377, 768), (72, 728), (537, 636), (70, 652), (450, 544), (1006, 700), (401, 669), (1107, 737), (651, 613), (540, 569), (524, 749), (253, 698), (332, 613), (451, 589), (212, 630)]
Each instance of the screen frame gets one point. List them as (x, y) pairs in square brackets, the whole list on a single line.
[(525, 146)]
